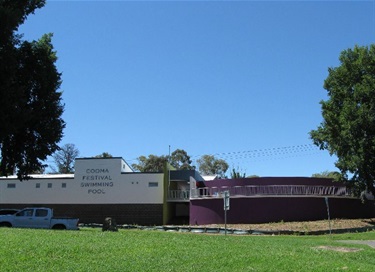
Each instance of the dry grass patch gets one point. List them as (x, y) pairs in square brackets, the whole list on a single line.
[(306, 226), (339, 249)]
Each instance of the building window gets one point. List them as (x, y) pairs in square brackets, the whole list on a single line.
[(49, 185), (37, 185), (63, 185), (153, 184), (11, 185)]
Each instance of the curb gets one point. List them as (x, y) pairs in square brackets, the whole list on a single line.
[(217, 230)]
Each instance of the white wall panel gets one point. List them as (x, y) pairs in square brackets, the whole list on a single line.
[(96, 181)]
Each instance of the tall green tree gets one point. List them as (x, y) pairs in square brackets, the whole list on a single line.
[(181, 160), (348, 128), (30, 103), (152, 163), (209, 165)]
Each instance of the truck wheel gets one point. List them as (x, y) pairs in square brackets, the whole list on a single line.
[(5, 225), (59, 227)]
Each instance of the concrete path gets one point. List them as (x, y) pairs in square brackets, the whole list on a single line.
[(370, 243)]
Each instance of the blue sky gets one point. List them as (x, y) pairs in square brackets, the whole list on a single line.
[(240, 80)]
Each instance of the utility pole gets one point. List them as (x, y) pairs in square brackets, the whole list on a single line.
[(168, 166), (226, 208)]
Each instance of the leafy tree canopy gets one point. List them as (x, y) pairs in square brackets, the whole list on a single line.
[(209, 165), (30, 105), (179, 159), (152, 163), (65, 158), (104, 155), (348, 128), (327, 174)]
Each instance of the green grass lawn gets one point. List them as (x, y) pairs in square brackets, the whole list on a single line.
[(141, 250)]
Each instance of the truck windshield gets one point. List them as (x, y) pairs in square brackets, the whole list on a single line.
[(27, 212)]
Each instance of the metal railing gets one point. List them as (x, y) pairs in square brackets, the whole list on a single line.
[(272, 190), (174, 195)]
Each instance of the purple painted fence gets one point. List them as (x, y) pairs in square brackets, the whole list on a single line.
[(261, 200)]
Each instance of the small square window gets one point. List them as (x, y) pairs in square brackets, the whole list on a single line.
[(37, 185), (153, 184), (63, 185), (11, 185), (49, 185)]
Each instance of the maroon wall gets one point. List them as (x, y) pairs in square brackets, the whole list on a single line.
[(139, 214), (251, 210)]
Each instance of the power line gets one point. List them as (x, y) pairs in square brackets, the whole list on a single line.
[(264, 153), (260, 154)]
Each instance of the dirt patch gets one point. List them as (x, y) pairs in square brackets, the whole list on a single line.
[(339, 249), (306, 226)]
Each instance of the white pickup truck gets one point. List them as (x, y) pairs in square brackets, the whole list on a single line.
[(37, 218)]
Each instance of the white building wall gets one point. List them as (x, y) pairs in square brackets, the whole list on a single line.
[(96, 181), (125, 167)]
